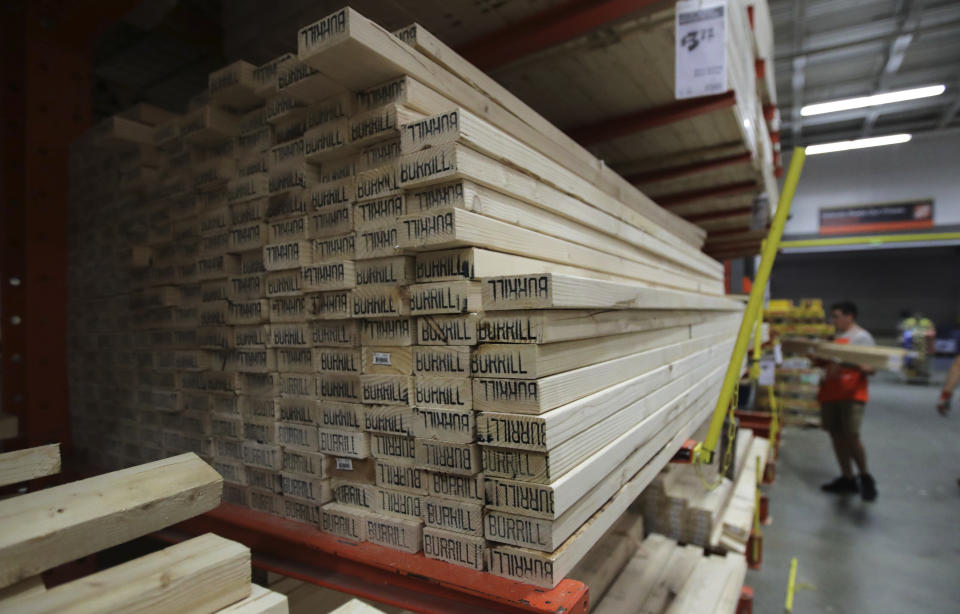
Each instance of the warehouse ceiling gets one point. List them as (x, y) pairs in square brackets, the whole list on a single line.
[(832, 49), (825, 49)]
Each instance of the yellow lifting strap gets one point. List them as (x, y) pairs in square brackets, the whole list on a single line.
[(703, 452)]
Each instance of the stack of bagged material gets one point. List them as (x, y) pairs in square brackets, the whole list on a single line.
[(666, 577), (389, 301)]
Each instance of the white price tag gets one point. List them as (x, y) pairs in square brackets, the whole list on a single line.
[(701, 66), (778, 353), (768, 369), (344, 464), (381, 358)]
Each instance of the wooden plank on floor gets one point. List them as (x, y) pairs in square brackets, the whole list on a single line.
[(43, 529), (261, 601), (203, 574), (30, 463)]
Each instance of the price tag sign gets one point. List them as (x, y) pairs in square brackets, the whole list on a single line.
[(701, 66), (768, 371)]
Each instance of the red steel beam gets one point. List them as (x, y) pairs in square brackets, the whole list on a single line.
[(688, 169), (718, 215), (546, 29), (682, 198), (409, 581), (46, 63), (731, 231), (615, 127)]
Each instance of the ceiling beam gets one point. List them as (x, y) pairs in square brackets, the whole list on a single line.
[(546, 29), (844, 39), (798, 79), (909, 13), (951, 111), (623, 125)]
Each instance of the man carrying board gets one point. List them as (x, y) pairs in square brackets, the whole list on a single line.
[(843, 396)]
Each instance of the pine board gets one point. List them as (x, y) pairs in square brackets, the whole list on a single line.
[(206, 573), (30, 463), (37, 536), (557, 291), (544, 394), (354, 51)]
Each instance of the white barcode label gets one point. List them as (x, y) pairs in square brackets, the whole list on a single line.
[(768, 370), (381, 358), (701, 61), (344, 464)]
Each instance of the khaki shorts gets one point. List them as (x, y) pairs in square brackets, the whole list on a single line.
[(841, 416)]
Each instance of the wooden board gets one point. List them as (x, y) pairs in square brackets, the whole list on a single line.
[(205, 573), (37, 536), (553, 500), (450, 227), (552, 326), (524, 361), (543, 394), (354, 51), (30, 463), (549, 430), (546, 570), (559, 291)]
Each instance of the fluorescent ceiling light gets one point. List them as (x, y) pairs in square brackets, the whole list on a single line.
[(872, 101), (876, 141)]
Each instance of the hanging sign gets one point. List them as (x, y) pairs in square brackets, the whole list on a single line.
[(701, 58)]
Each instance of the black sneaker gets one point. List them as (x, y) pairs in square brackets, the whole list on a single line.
[(868, 487), (842, 486)]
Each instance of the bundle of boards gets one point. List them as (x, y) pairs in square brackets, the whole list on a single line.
[(875, 357), (386, 298), (666, 578), (712, 512), (47, 528), (706, 158)]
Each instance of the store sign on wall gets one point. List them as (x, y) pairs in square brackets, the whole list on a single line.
[(916, 215)]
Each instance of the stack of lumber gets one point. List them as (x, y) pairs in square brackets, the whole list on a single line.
[(796, 389), (604, 562), (803, 318), (666, 578), (738, 516), (693, 505), (876, 357), (47, 528), (384, 300), (707, 159)]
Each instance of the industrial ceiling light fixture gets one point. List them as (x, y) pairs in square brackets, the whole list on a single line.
[(877, 141), (872, 101)]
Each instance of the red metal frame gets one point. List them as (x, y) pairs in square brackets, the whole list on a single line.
[(682, 198), (545, 30), (650, 118), (688, 169), (367, 570)]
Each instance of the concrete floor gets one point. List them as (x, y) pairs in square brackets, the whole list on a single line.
[(900, 554)]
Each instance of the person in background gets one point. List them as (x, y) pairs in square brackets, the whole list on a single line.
[(843, 397), (953, 378)]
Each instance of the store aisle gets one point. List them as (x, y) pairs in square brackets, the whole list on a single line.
[(900, 554)]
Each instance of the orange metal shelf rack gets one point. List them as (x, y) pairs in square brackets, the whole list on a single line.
[(367, 570)]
